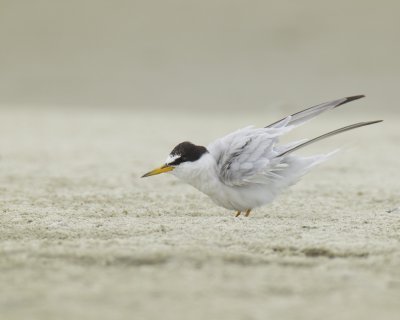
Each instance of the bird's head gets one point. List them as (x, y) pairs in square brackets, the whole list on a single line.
[(182, 158)]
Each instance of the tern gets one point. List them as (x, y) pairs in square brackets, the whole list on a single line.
[(247, 168)]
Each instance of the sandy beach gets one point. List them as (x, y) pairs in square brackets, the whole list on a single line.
[(95, 93), (82, 236)]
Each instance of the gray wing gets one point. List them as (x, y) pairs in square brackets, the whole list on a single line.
[(303, 116), (250, 155), (327, 135)]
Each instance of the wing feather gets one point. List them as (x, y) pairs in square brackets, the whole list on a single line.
[(303, 116), (251, 155), (244, 155)]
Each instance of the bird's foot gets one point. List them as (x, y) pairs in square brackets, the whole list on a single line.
[(247, 213), (237, 214)]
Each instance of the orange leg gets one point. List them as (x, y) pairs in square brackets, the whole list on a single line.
[(238, 214), (247, 212)]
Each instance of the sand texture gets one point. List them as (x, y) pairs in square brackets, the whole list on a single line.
[(83, 237)]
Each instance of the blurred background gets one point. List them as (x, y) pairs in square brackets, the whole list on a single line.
[(94, 93), (183, 54)]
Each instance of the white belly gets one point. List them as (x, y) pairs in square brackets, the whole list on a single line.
[(236, 198), (203, 176)]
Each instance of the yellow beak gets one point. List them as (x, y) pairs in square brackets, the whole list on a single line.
[(162, 169)]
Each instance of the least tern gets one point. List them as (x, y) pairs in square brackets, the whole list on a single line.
[(247, 168)]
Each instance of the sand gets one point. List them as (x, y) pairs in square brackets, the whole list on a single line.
[(83, 237)]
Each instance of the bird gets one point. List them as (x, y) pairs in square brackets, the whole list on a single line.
[(248, 168)]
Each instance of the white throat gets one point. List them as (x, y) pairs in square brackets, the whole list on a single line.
[(201, 174)]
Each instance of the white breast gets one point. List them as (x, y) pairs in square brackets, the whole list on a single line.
[(202, 174)]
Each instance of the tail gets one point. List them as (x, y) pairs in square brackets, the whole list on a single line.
[(326, 135), (309, 113)]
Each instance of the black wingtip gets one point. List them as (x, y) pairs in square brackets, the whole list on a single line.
[(372, 122), (352, 98), (348, 99)]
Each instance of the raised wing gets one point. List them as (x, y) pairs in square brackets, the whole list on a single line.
[(303, 116), (250, 155), (247, 155)]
